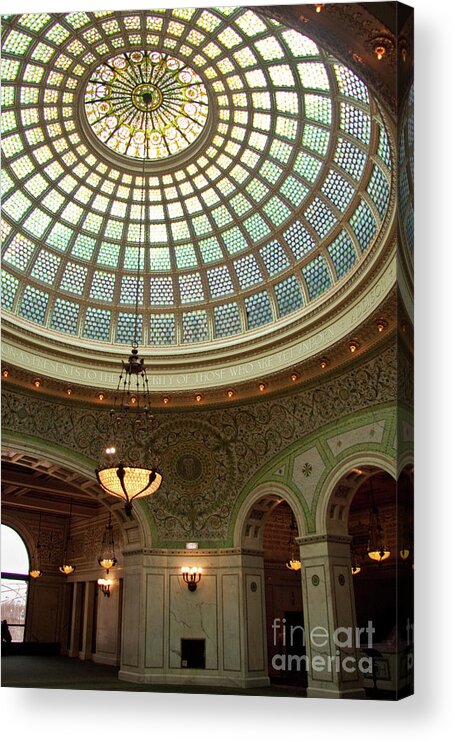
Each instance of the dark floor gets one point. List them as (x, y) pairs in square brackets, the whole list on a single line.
[(61, 672)]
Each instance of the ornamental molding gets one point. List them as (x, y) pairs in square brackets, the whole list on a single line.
[(231, 443), (325, 538)]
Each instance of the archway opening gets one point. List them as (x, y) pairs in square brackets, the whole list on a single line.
[(15, 582), (51, 505), (383, 585), (283, 599)]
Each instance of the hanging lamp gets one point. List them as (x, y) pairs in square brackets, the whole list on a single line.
[(68, 567), (293, 563), (36, 571), (107, 558), (128, 469), (377, 550)]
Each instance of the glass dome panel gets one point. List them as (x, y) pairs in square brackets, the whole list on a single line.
[(267, 173)]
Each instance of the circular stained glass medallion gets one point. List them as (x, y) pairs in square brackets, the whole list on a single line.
[(146, 104)]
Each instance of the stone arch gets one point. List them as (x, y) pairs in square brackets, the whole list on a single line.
[(341, 485), (63, 464), (255, 510)]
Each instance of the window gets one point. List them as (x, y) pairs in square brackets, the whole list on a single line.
[(15, 579)]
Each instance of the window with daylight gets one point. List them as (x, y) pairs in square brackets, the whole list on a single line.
[(15, 580)]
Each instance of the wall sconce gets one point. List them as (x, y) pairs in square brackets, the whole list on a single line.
[(192, 576), (105, 586)]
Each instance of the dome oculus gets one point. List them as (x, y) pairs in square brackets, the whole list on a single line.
[(146, 104)]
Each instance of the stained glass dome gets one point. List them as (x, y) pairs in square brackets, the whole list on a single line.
[(145, 104), (267, 174)]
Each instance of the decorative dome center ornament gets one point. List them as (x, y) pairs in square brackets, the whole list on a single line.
[(146, 104)]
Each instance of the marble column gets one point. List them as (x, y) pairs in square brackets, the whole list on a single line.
[(226, 611), (73, 647), (254, 636), (334, 663), (85, 653)]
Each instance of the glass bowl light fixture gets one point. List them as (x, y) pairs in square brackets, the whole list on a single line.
[(377, 549), (68, 566), (107, 558), (36, 570), (293, 563), (128, 470)]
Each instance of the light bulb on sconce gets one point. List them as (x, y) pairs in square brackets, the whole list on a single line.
[(105, 586), (192, 576)]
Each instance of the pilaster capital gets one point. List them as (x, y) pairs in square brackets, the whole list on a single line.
[(323, 538)]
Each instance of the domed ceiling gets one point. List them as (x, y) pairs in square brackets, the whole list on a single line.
[(239, 166)]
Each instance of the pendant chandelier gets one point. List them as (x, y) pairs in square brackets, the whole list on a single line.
[(36, 571), (68, 567), (107, 558), (377, 550), (127, 468), (293, 563)]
